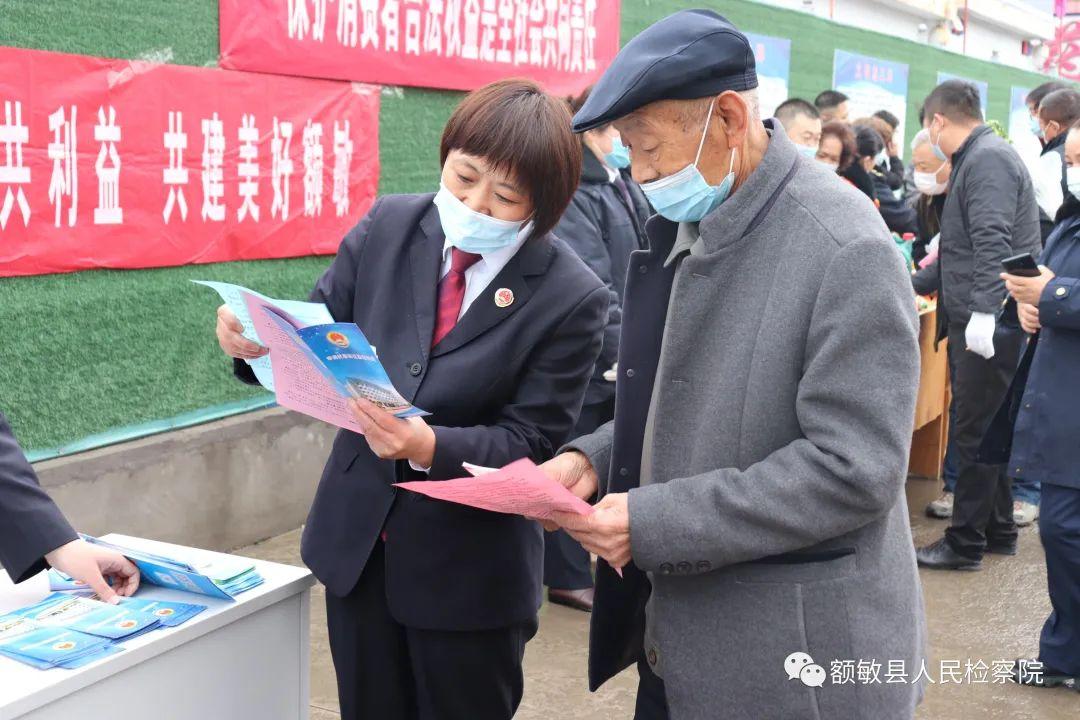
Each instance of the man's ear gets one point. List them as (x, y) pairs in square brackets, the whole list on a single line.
[(734, 116)]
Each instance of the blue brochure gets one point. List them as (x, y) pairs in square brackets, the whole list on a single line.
[(89, 616), (341, 353), (27, 641), (169, 614)]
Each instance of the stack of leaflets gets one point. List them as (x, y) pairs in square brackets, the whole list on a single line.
[(206, 573), (89, 616), (168, 613), (44, 647)]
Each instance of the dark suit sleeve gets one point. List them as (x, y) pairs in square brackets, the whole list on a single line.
[(546, 404), (30, 523), (336, 286), (580, 228)]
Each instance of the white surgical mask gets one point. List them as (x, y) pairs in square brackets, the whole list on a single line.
[(831, 165), (1072, 178), (927, 182)]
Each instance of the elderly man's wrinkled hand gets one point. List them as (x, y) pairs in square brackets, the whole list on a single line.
[(1028, 290), (606, 532), (574, 472), (1029, 317)]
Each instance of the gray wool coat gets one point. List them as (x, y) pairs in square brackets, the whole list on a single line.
[(774, 518)]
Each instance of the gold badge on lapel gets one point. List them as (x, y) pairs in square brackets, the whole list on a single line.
[(504, 297)]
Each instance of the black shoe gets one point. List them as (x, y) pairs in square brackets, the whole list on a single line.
[(576, 599), (942, 557), (1034, 674), (1001, 547)]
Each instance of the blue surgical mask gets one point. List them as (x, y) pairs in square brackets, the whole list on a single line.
[(938, 152), (808, 151), (471, 231), (686, 196), (619, 157), (1035, 129)]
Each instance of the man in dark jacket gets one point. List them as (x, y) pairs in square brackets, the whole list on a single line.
[(34, 534), (990, 214), (1036, 425)]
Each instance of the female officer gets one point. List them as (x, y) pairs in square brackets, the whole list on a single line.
[(484, 319), (604, 224)]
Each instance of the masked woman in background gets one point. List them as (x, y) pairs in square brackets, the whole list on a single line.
[(604, 224), (484, 319)]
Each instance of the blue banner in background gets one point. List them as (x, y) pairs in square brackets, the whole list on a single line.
[(773, 58), (984, 88), (872, 84)]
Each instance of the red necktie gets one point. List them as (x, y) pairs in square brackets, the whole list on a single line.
[(452, 293)]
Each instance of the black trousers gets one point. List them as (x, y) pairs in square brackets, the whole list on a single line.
[(386, 671), (651, 698), (567, 565), (1059, 529), (983, 505)]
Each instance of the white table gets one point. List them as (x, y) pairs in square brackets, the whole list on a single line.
[(243, 659)]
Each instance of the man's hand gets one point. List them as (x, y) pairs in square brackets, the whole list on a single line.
[(394, 438), (92, 565), (230, 336), (606, 532), (1028, 290), (574, 472), (979, 334), (1029, 317)]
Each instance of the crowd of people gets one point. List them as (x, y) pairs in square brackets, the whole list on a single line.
[(710, 338)]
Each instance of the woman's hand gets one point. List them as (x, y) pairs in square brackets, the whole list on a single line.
[(230, 335), (1028, 290), (393, 438), (1029, 317)]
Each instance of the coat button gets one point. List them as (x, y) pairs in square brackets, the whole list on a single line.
[(630, 372), (642, 269), (1061, 292), (415, 369), (685, 568), (651, 657), (623, 472), (666, 568), (704, 566), (1017, 471)]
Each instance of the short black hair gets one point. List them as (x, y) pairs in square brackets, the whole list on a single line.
[(1061, 106), (1035, 97), (793, 108), (829, 99), (957, 100), (894, 122), (868, 141), (922, 114)]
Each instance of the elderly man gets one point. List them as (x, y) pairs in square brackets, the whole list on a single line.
[(752, 481)]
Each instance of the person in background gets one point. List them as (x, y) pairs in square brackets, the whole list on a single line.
[(1047, 193), (893, 169), (989, 215), (34, 534), (604, 223), (490, 323), (1035, 428), (837, 148), (899, 217), (868, 149), (1057, 112), (931, 177), (802, 122), (832, 105)]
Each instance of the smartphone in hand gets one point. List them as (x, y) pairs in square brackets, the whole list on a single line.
[(1023, 265)]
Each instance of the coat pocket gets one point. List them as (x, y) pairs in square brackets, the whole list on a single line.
[(834, 564)]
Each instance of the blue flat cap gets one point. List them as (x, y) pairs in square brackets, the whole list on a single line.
[(691, 54)]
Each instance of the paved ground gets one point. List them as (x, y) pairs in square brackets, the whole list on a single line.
[(991, 615)]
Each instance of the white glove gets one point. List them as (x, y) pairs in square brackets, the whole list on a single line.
[(979, 334)]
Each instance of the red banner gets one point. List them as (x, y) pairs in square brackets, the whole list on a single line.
[(451, 44), (127, 164)]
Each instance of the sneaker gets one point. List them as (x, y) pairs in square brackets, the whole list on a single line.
[(942, 507), (1025, 513)]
